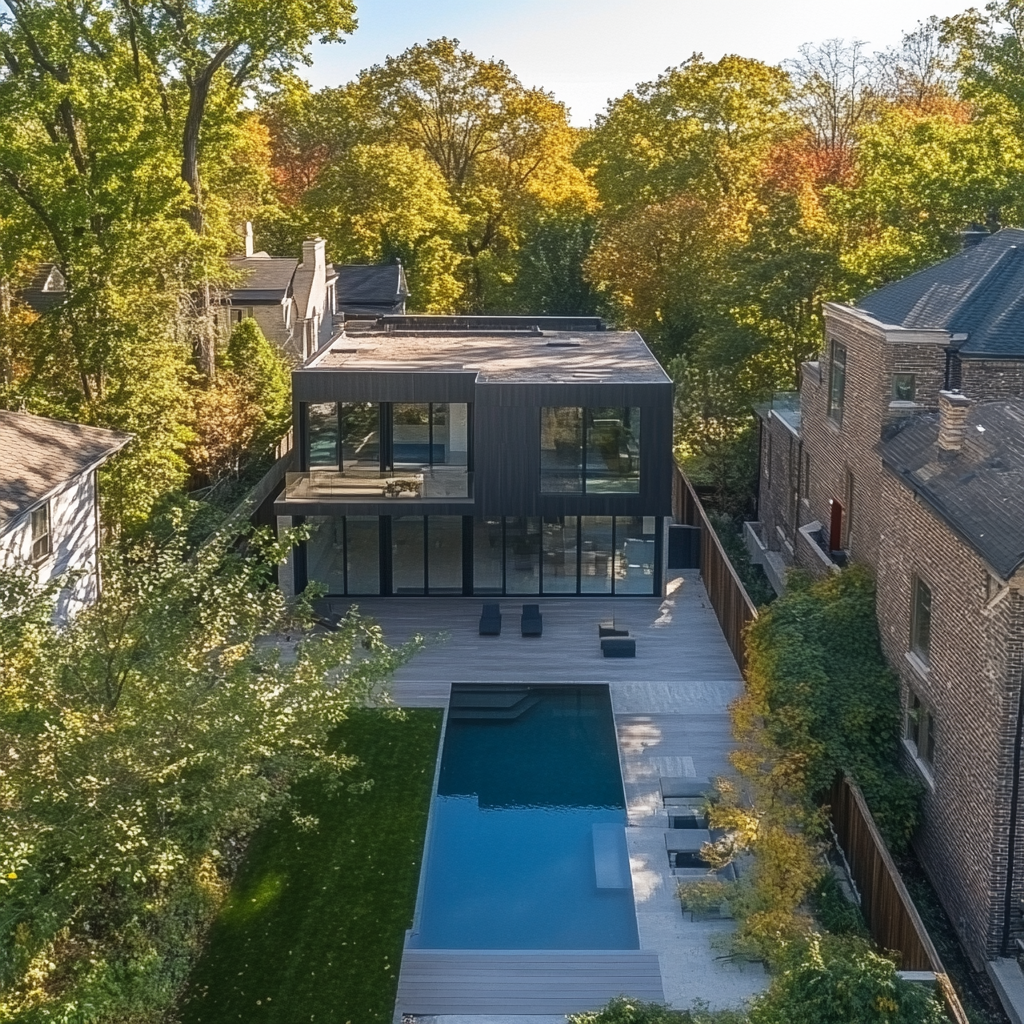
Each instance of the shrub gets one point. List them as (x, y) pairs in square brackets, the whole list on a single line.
[(842, 980), (631, 1011), (818, 682), (834, 911)]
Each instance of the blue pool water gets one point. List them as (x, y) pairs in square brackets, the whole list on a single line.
[(527, 846)]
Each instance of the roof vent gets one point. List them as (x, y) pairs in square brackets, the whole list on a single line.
[(953, 409), (564, 343)]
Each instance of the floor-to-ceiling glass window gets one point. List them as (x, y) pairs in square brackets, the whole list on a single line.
[(407, 555), (325, 553), (444, 554), (560, 570), (360, 437), (322, 433), (488, 551), (634, 554), (522, 554), (362, 554), (613, 450), (410, 437), (449, 423), (596, 554), (561, 450)]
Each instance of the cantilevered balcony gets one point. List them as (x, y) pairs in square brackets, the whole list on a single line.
[(440, 483)]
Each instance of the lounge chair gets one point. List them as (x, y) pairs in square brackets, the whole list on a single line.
[(618, 647), (686, 788), (608, 629), (532, 624), (490, 620)]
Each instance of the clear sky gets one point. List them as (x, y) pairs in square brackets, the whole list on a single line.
[(587, 51)]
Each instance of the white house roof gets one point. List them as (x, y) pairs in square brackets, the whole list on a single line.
[(38, 455)]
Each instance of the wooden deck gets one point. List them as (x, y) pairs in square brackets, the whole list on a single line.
[(454, 981)]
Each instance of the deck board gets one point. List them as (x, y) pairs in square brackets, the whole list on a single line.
[(449, 981)]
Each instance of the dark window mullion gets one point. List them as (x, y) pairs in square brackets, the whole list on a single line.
[(504, 551), (344, 553), (426, 549), (615, 557)]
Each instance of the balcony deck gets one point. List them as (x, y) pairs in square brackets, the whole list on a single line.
[(415, 484)]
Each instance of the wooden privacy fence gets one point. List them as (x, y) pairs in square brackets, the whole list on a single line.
[(728, 596), (888, 910)]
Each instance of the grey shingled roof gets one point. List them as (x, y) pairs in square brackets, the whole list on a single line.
[(263, 278), (978, 292), (365, 289), (978, 490), (39, 455)]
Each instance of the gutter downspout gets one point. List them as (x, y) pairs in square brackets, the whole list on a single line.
[(1011, 848)]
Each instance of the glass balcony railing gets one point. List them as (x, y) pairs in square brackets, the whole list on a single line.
[(439, 483)]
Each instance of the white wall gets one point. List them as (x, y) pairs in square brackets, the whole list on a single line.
[(73, 539)]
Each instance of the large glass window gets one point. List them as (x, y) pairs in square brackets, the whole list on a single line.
[(837, 383), (444, 554), (42, 540), (613, 450), (407, 574), (360, 436), (561, 450), (488, 577), (322, 427), (593, 450), (920, 728), (596, 555), (560, 555), (325, 553), (634, 554), (362, 554), (449, 433), (522, 555), (921, 621), (410, 438)]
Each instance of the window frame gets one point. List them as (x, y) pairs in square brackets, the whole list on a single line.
[(896, 397), (919, 729), (589, 481), (921, 624), (42, 541), (838, 357)]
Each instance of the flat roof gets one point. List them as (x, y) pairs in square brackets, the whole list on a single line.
[(562, 357)]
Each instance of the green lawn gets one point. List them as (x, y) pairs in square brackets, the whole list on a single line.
[(314, 926)]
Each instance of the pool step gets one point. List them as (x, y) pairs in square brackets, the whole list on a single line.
[(455, 981), (505, 702)]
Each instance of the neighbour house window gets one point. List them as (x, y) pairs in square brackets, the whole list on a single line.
[(41, 541), (920, 729), (805, 483), (903, 387), (768, 463), (837, 383), (240, 313), (921, 620), (594, 451), (849, 510)]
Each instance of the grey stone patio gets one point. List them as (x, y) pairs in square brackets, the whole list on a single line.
[(671, 714)]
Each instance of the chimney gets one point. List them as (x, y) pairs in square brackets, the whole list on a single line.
[(973, 235), (313, 255), (245, 230), (953, 409)]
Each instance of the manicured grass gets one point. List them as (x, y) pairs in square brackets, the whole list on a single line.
[(314, 927)]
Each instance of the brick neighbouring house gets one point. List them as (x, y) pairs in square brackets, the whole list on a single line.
[(904, 451)]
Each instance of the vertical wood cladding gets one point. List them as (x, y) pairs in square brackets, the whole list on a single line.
[(971, 686)]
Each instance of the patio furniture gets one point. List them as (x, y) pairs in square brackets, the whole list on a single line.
[(686, 789), (396, 488), (532, 624), (618, 647), (490, 620), (608, 629)]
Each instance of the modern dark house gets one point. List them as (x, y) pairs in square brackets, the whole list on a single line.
[(482, 456)]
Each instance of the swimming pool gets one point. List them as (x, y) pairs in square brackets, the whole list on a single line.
[(527, 847)]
